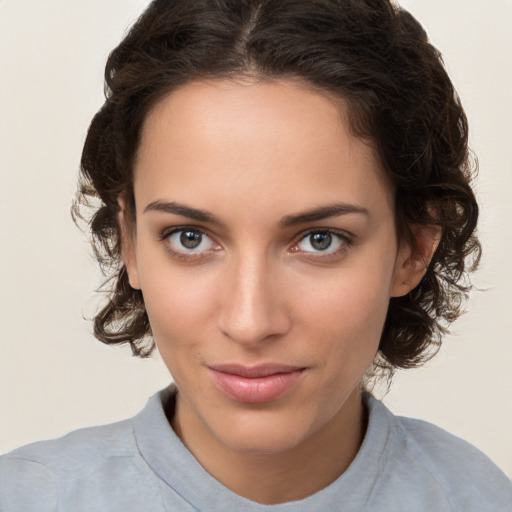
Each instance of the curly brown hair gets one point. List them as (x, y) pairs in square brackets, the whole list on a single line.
[(370, 53)]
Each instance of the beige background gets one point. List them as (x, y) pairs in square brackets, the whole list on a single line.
[(55, 377)]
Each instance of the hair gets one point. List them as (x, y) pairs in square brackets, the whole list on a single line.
[(371, 54)]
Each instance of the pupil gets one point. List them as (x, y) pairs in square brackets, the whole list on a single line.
[(190, 239), (321, 241)]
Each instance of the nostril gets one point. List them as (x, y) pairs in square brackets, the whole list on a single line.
[(250, 324)]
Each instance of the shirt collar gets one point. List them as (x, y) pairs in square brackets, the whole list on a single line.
[(174, 464)]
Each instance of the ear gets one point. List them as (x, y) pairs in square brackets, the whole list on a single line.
[(413, 259), (128, 249)]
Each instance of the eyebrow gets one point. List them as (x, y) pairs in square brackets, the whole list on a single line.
[(322, 212), (315, 214), (184, 211)]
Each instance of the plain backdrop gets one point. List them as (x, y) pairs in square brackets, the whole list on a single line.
[(55, 377)]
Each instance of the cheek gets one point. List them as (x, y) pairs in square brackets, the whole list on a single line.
[(179, 303), (178, 323), (350, 310)]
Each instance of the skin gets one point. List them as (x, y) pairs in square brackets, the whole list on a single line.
[(256, 291)]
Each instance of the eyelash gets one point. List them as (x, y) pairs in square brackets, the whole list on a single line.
[(178, 255), (345, 242)]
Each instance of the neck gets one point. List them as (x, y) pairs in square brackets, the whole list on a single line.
[(286, 476)]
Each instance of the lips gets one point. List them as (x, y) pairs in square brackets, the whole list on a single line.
[(255, 384)]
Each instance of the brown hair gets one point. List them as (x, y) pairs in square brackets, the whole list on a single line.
[(373, 55)]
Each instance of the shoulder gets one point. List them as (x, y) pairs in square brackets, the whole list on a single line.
[(26, 484), (84, 444), (95, 468), (446, 454), (32, 477), (443, 464)]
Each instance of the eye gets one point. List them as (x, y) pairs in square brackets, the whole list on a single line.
[(188, 241), (323, 241)]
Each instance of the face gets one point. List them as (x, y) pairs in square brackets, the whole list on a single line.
[(266, 252)]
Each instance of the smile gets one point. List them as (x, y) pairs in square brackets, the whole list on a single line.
[(255, 384)]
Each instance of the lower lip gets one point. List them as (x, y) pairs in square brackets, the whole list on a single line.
[(255, 390)]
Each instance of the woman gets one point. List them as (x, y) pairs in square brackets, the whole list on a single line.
[(286, 211)]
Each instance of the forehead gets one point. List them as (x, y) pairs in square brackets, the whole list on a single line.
[(255, 139)]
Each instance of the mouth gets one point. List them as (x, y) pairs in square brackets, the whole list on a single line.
[(255, 384)]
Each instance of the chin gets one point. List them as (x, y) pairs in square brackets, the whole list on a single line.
[(261, 433), (260, 443)]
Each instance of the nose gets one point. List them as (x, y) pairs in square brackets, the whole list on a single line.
[(253, 308)]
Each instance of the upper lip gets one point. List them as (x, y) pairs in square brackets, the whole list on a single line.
[(261, 370)]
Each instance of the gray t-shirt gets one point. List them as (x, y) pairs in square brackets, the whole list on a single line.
[(141, 465)]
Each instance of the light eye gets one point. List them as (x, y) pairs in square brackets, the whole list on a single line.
[(321, 242), (191, 241)]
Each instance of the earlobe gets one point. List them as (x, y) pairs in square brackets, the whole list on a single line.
[(413, 259), (127, 243)]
